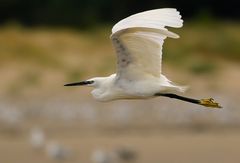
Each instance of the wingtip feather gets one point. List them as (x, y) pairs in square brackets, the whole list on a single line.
[(156, 19)]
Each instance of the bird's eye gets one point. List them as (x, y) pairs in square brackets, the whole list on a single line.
[(90, 82)]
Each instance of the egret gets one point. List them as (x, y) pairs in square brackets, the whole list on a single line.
[(102, 156), (138, 41), (57, 151), (37, 138)]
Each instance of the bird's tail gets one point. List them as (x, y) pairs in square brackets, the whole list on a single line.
[(173, 86), (181, 88)]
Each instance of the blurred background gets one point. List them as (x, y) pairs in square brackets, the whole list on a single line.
[(45, 44)]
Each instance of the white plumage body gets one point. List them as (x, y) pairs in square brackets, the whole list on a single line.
[(138, 41), (112, 89)]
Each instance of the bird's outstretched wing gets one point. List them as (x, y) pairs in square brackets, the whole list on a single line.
[(138, 41)]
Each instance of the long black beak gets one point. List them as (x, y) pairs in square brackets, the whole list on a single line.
[(80, 83)]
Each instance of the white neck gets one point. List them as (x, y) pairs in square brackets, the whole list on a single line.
[(102, 86)]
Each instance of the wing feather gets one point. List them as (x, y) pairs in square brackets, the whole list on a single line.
[(158, 18), (138, 41)]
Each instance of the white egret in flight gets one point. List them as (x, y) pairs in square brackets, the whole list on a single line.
[(138, 41)]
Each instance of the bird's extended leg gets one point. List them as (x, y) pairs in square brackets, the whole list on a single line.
[(205, 102)]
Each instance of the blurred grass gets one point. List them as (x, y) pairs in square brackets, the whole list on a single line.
[(47, 46), (26, 79), (211, 40), (66, 53)]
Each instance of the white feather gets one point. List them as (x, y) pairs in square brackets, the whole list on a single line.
[(138, 41), (158, 19)]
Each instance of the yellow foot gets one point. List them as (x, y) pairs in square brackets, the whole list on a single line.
[(209, 103)]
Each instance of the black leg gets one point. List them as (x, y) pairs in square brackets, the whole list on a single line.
[(205, 102)]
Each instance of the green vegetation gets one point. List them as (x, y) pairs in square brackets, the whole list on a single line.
[(34, 56), (201, 46)]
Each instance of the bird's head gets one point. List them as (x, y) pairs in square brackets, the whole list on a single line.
[(93, 82)]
